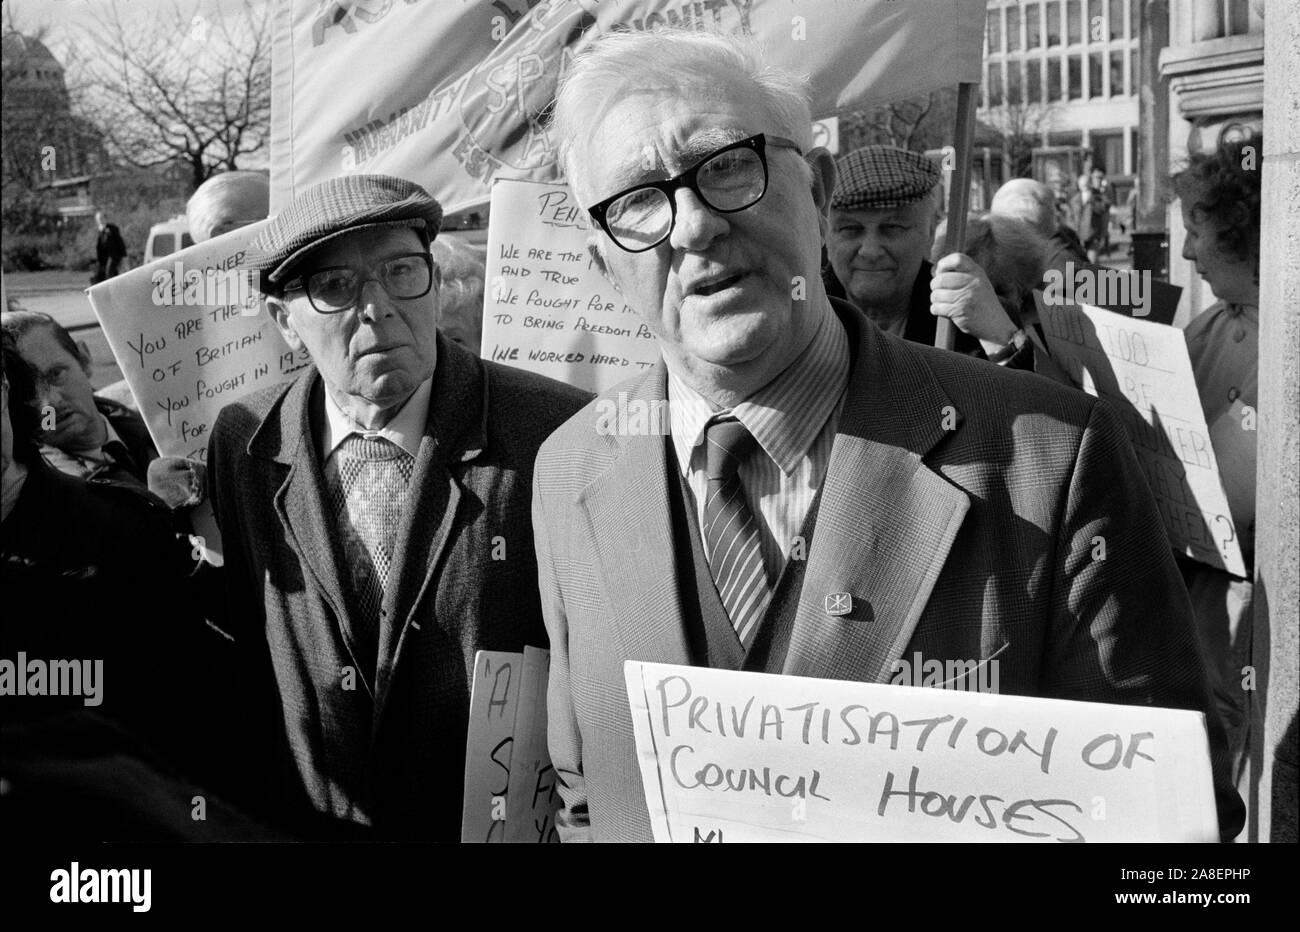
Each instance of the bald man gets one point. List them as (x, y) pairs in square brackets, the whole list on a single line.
[(1034, 203)]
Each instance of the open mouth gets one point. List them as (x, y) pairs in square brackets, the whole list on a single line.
[(713, 288)]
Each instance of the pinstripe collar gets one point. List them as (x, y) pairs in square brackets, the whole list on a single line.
[(785, 415)]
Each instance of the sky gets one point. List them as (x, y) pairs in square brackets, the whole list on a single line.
[(67, 19)]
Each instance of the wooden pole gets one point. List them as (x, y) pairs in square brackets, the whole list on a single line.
[(963, 139)]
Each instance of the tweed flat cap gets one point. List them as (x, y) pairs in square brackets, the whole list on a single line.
[(876, 177), (332, 208)]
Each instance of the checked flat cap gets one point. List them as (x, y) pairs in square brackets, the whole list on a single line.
[(876, 177), (335, 207)]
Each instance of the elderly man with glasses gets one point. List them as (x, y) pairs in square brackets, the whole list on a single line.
[(827, 499), (374, 514)]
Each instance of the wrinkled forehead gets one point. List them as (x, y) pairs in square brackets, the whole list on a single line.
[(40, 349), (655, 132)]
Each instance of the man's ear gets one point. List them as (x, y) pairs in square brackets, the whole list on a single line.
[(822, 164), (279, 312)]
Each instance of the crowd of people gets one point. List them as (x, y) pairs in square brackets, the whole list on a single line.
[(403, 503)]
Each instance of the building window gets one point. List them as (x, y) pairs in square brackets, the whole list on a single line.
[(1053, 79), (1117, 87), (1053, 11), (1134, 76), (1034, 81), (1013, 83), (1095, 87), (1074, 64), (1013, 29), (1108, 151), (995, 84), (1096, 23), (995, 30), (1075, 10), (1033, 31), (1117, 19)]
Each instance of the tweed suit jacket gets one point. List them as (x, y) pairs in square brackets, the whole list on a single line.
[(385, 751), (959, 510)]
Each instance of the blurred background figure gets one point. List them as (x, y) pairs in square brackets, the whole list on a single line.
[(987, 288), (227, 202), (460, 313), (80, 433), (1034, 204), (1220, 202), (1090, 216), (110, 249)]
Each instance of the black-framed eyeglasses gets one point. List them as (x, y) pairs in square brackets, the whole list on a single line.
[(335, 289), (728, 180)]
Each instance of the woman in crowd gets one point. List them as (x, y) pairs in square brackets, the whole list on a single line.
[(1219, 195)]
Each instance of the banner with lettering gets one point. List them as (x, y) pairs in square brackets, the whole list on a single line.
[(547, 308), (729, 756), (1143, 370), (451, 95)]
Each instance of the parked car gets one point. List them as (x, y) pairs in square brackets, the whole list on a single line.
[(167, 237)]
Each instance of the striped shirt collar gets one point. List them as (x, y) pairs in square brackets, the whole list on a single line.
[(406, 429), (786, 415)]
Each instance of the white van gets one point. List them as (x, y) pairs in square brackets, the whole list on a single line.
[(167, 237)]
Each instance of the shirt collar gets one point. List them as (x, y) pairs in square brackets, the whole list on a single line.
[(786, 415), (406, 429)]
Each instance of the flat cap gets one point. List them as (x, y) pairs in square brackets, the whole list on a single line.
[(876, 177), (333, 208)]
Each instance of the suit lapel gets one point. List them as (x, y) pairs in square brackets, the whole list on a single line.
[(455, 432), (627, 510), (886, 521), (302, 503)]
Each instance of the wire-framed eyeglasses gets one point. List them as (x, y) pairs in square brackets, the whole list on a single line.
[(728, 180)]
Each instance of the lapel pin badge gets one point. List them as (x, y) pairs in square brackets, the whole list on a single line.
[(839, 603)]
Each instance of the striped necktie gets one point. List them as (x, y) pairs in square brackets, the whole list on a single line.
[(731, 531)]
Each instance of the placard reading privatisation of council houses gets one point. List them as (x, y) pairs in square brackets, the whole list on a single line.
[(729, 756), (546, 307)]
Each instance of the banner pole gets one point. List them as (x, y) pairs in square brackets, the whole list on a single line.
[(963, 138)]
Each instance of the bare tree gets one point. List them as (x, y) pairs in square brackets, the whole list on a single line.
[(188, 83), (1022, 126)]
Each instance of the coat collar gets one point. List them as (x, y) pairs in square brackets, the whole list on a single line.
[(455, 433)]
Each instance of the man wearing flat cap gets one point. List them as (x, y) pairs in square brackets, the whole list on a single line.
[(374, 515), (883, 213)]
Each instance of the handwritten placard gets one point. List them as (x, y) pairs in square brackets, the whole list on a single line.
[(547, 308), (493, 702), (190, 335), (534, 797), (731, 756), (1143, 369)]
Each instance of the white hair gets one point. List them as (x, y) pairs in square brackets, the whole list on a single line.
[(670, 60), (247, 194), (1027, 200)]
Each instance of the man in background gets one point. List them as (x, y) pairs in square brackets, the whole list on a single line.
[(227, 202), (81, 434), (110, 249)]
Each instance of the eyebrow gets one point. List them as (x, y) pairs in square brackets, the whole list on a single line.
[(700, 145)]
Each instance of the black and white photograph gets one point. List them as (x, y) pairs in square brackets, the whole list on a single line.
[(745, 422)]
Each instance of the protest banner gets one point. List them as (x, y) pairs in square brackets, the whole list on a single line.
[(729, 756), (493, 702), (190, 335), (547, 308), (452, 96), (533, 797), (1143, 369)]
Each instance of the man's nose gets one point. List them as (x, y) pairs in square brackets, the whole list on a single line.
[(373, 302), (1189, 248), (697, 225), (869, 246)]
